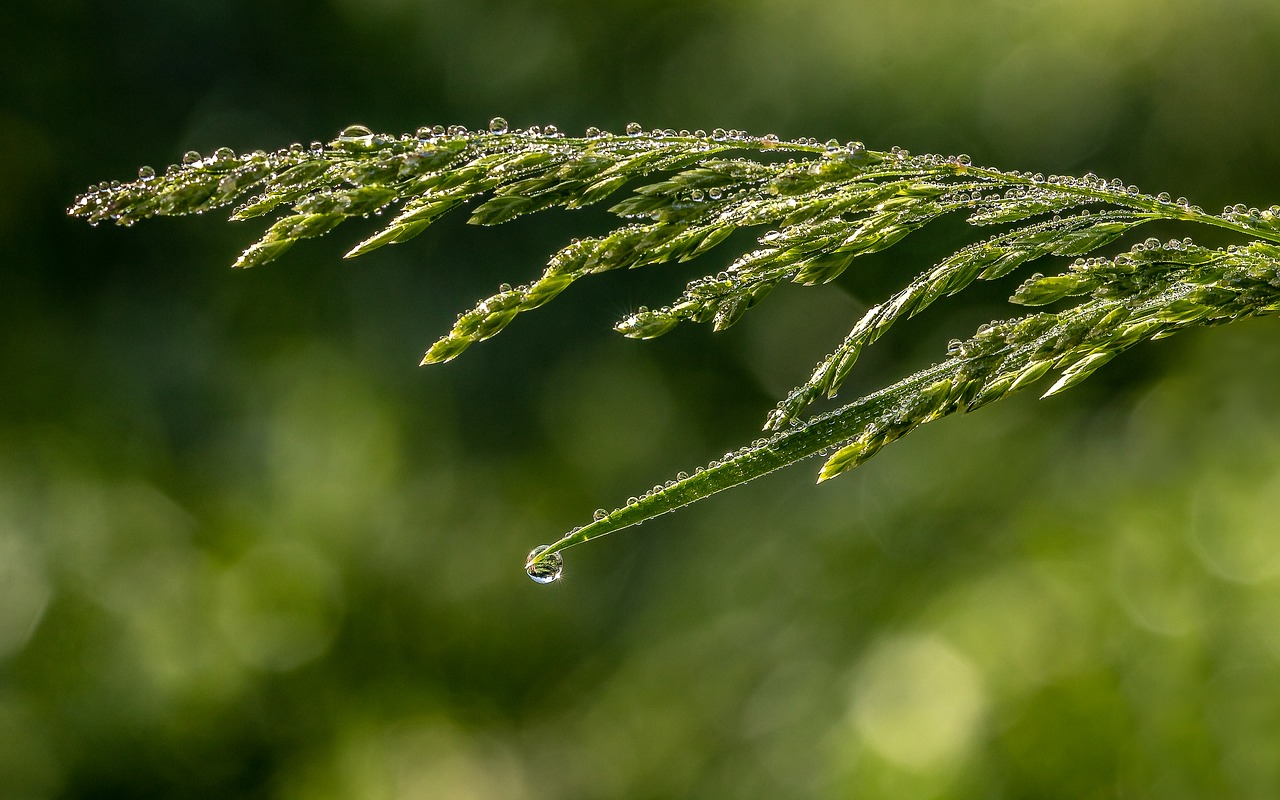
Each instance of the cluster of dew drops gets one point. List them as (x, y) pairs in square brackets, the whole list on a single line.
[(499, 126)]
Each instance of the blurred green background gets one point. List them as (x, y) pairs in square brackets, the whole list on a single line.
[(247, 549)]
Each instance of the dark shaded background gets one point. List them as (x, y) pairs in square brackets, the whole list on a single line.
[(247, 549)]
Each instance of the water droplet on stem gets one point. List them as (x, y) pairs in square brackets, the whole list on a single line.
[(548, 569)]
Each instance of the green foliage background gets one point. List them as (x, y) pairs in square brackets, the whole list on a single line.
[(248, 550)]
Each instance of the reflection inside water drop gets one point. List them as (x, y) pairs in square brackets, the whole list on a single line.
[(546, 570)]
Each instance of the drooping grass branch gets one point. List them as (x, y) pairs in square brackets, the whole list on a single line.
[(820, 205)]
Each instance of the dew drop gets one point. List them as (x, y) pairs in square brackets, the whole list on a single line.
[(593, 132), (719, 134), (599, 514), (547, 570), (354, 132), (146, 173), (497, 125), (190, 157), (634, 129)]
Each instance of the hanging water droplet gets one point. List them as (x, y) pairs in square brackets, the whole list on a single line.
[(354, 132), (146, 173), (190, 157), (548, 569), (634, 129)]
